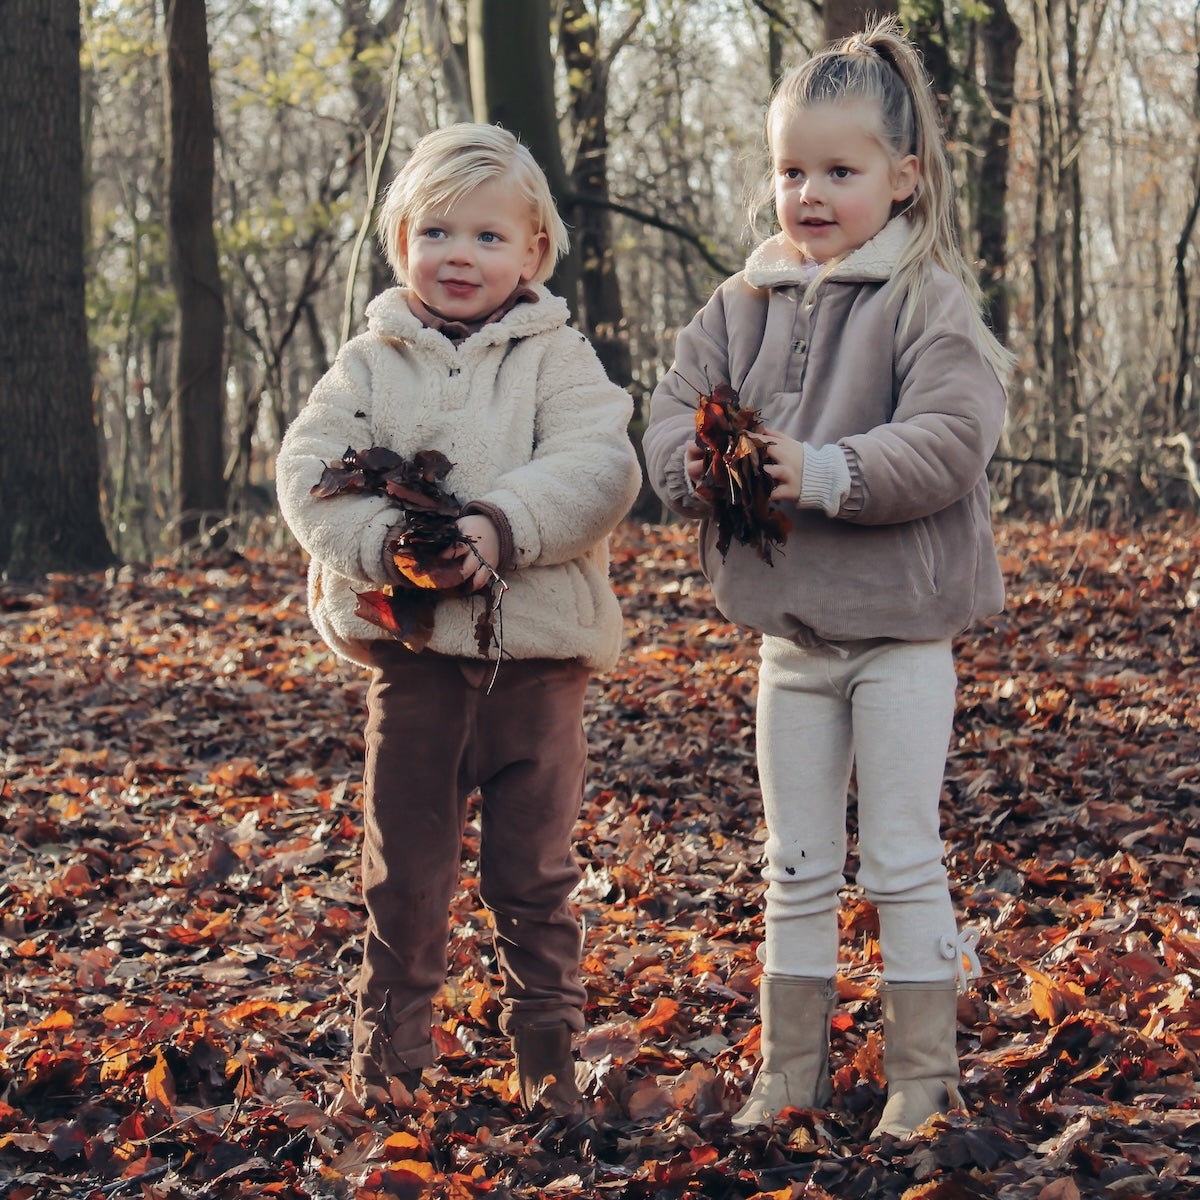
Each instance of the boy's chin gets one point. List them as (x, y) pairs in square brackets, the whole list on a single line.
[(450, 308)]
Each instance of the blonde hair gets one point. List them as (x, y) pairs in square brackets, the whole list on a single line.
[(447, 164), (881, 66)]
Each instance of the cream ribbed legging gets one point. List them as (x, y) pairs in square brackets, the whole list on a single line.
[(886, 708)]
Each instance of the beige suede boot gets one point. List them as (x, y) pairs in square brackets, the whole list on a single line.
[(795, 1014), (920, 1054), (546, 1067)]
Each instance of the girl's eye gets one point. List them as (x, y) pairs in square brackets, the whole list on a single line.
[(432, 234), (842, 172), (489, 237), (792, 173)]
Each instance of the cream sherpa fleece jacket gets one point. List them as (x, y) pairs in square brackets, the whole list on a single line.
[(533, 426)]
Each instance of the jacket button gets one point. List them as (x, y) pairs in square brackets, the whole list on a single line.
[(800, 346)]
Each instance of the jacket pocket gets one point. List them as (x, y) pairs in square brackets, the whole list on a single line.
[(584, 596), (923, 547), (706, 547)]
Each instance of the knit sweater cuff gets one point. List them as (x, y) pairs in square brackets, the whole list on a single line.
[(826, 482), (503, 530)]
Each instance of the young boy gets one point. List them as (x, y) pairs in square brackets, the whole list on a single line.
[(472, 357)]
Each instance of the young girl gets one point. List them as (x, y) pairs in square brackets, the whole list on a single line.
[(471, 357), (855, 332)]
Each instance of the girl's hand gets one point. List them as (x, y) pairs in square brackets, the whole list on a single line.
[(693, 463), (482, 534), (785, 465)]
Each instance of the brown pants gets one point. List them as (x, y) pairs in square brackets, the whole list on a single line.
[(433, 736)]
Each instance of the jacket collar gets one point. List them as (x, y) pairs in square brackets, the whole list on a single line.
[(774, 263), (390, 316)]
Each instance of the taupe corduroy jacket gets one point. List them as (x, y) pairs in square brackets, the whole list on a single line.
[(916, 408)]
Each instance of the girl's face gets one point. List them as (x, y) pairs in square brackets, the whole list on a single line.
[(465, 261), (835, 184)]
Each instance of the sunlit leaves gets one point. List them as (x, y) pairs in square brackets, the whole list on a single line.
[(180, 921), (300, 70)]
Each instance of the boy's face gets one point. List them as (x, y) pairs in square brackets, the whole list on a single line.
[(465, 261)]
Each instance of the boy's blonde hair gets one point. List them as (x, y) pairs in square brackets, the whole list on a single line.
[(447, 164), (880, 65)]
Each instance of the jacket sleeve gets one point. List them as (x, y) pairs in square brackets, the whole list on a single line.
[(701, 361), (346, 531), (948, 418), (583, 474)]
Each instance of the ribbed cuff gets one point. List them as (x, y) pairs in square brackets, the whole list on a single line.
[(826, 482), (681, 488), (498, 518)]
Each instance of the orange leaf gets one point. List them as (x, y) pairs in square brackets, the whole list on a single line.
[(400, 1144), (160, 1083), (1060, 1189), (1053, 1001), (660, 1017), (412, 1166)]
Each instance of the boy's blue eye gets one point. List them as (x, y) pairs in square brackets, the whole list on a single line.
[(489, 237), (431, 233)]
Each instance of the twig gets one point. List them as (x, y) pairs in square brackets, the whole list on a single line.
[(702, 244), (1189, 458), (374, 171), (494, 601), (135, 1181)]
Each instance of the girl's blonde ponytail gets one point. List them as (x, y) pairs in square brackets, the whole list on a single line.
[(881, 65)]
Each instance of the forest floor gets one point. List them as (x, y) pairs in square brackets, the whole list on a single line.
[(179, 916)]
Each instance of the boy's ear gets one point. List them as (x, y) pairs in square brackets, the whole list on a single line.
[(539, 245), (905, 177)]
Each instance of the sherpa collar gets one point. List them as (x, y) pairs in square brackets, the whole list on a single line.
[(774, 263), (390, 316)]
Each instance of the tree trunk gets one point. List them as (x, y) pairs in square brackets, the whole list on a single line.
[(370, 88), (198, 393), (49, 448), (927, 29), (601, 312), (1181, 374), (1001, 42), (1055, 267), (512, 84), (451, 57), (844, 17)]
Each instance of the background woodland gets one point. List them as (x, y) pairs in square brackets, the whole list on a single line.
[(1073, 125)]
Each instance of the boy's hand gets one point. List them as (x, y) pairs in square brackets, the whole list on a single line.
[(785, 465), (482, 534), (693, 463)]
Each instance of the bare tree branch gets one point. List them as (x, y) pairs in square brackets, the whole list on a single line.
[(773, 14), (697, 240)]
